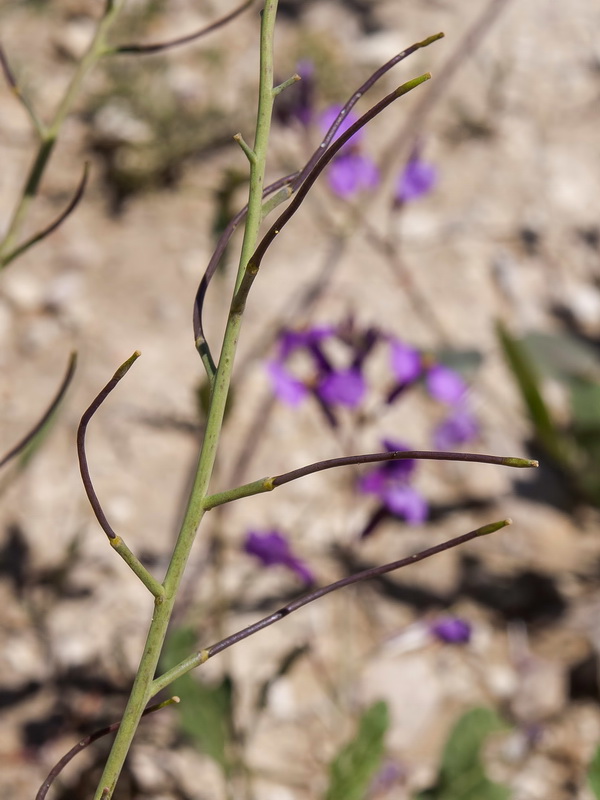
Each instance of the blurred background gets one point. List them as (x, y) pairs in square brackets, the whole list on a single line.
[(450, 265)]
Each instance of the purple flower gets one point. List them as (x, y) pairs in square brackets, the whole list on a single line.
[(445, 384), (342, 387), (351, 172), (417, 179), (390, 483), (287, 388), (273, 549), (406, 502), (345, 387), (451, 630), (406, 362), (460, 427), (289, 341)]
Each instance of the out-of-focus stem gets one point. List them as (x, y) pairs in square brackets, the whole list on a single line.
[(95, 51)]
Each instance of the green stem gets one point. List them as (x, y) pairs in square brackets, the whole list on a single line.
[(135, 565), (142, 687), (268, 484), (95, 51)]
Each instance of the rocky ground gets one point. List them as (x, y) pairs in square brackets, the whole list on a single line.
[(510, 232)]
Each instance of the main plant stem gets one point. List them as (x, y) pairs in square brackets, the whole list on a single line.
[(141, 690)]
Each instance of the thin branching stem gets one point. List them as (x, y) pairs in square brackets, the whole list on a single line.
[(21, 446), (11, 80), (73, 203), (293, 182), (268, 484), (200, 657), (38, 167), (157, 47), (244, 285), (87, 741), (117, 543), (199, 336)]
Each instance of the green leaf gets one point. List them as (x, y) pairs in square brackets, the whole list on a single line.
[(585, 404), (593, 774), (354, 767), (528, 381), (462, 774), (562, 356), (463, 749), (205, 710)]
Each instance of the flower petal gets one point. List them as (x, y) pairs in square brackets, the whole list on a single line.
[(272, 549), (406, 362), (445, 384), (287, 388), (406, 502), (460, 427), (343, 387), (451, 630), (417, 179)]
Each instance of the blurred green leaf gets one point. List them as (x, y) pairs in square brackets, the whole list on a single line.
[(585, 404), (353, 769), (528, 379), (205, 710), (462, 774), (562, 356), (593, 774)]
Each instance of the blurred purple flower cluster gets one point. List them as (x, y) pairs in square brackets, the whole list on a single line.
[(316, 353), (443, 384), (333, 385)]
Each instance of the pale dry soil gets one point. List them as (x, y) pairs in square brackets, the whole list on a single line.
[(510, 232)]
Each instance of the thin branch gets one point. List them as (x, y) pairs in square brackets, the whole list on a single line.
[(465, 49), (427, 455), (156, 588), (349, 105), (248, 151), (289, 82), (86, 742), (268, 484), (324, 159), (52, 131), (48, 414), (54, 225), (146, 49), (199, 337), (11, 80), (294, 181), (202, 656)]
